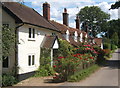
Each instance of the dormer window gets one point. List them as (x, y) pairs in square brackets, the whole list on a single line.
[(31, 33), (75, 36), (67, 35), (81, 37)]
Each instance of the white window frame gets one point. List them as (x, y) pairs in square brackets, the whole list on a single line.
[(31, 33), (31, 59)]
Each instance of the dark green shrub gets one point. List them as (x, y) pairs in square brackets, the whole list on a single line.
[(113, 47), (106, 46), (45, 70), (8, 80)]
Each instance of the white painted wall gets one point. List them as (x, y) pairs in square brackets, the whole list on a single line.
[(27, 46), (67, 35), (81, 37), (56, 46)]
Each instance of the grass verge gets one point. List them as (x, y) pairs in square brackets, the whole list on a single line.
[(83, 73)]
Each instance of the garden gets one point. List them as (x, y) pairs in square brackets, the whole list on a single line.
[(73, 63)]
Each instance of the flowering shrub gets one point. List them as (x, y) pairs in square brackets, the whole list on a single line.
[(70, 59), (86, 49), (66, 66)]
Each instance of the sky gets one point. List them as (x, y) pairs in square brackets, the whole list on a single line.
[(73, 7)]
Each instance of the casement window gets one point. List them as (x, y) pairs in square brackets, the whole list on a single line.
[(5, 62), (31, 60), (31, 33), (6, 25)]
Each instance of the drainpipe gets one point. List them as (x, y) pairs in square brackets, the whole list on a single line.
[(16, 49)]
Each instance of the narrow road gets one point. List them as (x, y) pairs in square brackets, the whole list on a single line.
[(106, 76)]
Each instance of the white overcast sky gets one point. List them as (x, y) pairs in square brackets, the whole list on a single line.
[(73, 7)]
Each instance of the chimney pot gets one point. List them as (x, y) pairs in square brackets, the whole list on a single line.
[(65, 10)]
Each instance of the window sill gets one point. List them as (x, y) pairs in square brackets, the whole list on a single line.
[(31, 66), (31, 39)]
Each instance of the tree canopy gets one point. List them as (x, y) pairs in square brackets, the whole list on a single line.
[(116, 5), (93, 18)]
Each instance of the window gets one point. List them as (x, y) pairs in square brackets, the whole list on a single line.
[(31, 60), (5, 62), (6, 25), (53, 34), (31, 33)]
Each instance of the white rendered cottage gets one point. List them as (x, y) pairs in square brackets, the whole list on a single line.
[(31, 29)]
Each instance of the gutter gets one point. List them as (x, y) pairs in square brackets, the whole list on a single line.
[(40, 26)]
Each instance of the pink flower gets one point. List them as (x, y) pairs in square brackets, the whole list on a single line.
[(60, 57)]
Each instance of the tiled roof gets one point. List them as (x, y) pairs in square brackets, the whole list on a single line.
[(48, 41), (28, 15), (98, 41), (63, 28)]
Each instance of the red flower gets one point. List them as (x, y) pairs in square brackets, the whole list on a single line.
[(91, 57), (60, 57), (60, 66), (54, 66)]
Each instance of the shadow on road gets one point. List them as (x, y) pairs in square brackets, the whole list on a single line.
[(113, 64)]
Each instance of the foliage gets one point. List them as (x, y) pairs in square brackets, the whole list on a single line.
[(45, 70), (65, 49), (113, 47), (45, 56), (116, 5), (8, 39), (114, 26), (93, 13), (115, 39), (66, 64), (8, 80), (83, 73), (106, 46)]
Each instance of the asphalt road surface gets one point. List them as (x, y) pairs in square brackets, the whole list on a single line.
[(105, 76)]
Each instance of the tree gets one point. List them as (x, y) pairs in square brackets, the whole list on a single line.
[(93, 18), (8, 40), (116, 5), (114, 27), (114, 38)]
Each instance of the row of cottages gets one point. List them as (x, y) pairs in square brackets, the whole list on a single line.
[(33, 32)]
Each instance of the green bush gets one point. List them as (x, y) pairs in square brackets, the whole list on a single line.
[(83, 73), (113, 47), (45, 70), (106, 46), (8, 80)]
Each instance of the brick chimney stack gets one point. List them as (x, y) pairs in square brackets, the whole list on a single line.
[(65, 17), (46, 11), (77, 22)]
